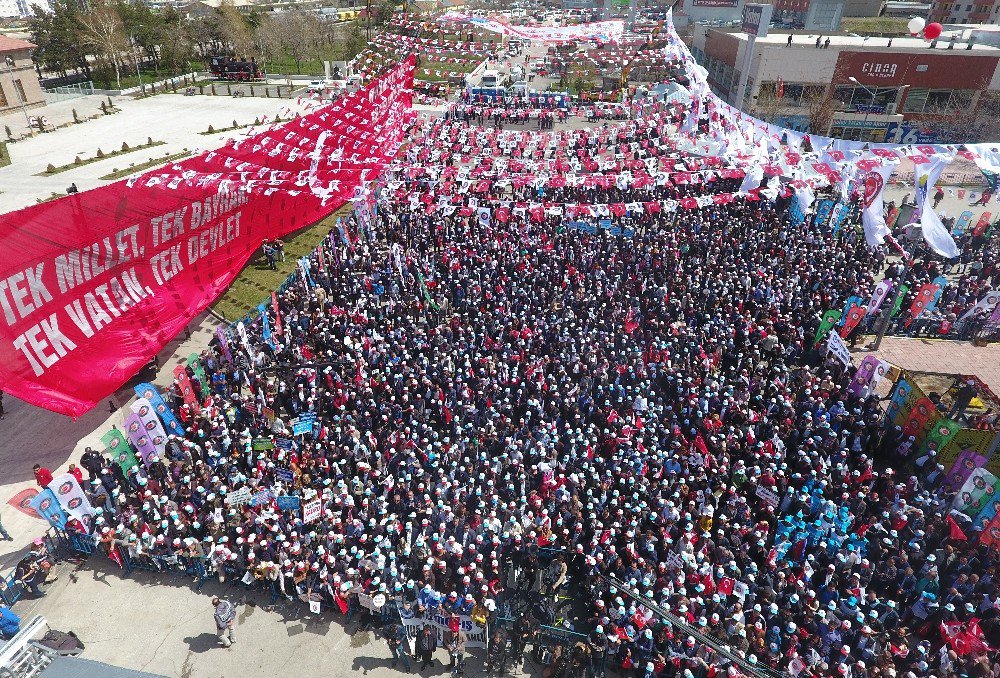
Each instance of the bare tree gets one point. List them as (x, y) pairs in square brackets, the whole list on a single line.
[(820, 107), (767, 105), (967, 123), (294, 34), (104, 30), (235, 30)]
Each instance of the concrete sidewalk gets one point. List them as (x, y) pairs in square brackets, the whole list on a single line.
[(30, 435), (174, 119), (159, 623)]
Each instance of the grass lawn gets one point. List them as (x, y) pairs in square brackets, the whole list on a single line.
[(285, 66), (254, 285), (106, 79), (876, 25)]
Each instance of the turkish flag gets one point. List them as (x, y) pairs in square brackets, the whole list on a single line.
[(726, 586), (885, 152), (955, 532), (965, 638)]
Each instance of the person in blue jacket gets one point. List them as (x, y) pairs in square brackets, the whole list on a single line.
[(10, 623)]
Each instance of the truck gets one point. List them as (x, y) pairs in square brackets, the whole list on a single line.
[(490, 80), (487, 93)]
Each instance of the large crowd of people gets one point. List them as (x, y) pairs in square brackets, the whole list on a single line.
[(544, 417)]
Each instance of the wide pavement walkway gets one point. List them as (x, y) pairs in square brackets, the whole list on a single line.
[(174, 119)]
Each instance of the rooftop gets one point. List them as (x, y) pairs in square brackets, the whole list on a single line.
[(8, 44), (803, 40)]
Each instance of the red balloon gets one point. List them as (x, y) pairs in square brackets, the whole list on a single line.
[(932, 31)]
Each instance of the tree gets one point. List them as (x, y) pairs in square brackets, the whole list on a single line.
[(354, 42), (294, 34), (820, 107), (383, 12), (176, 46), (767, 105), (57, 34), (144, 29), (104, 30), (235, 30), (966, 123), (205, 33)]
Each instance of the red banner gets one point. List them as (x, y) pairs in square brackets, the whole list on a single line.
[(93, 285)]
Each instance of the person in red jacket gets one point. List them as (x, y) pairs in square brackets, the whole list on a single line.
[(77, 473), (43, 476)]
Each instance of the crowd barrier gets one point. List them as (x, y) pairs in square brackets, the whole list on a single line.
[(62, 546), (11, 589)]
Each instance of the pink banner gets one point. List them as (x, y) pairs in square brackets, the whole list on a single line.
[(140, 438), (966, 462), (93, 285)]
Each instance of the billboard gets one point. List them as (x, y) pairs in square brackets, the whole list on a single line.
[(947, 70), (718, 4), (896, 133), (756, 19)]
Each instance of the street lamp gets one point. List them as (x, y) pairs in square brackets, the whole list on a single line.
[(17, 90), (864, 123)]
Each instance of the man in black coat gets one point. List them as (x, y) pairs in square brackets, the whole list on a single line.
[(426, 644)]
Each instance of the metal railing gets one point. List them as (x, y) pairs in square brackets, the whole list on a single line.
[(62, 545), (717, 645), (21, 656), (67, 92)]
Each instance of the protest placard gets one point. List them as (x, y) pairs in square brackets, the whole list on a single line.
[(287, 502), (311, 511), (239, 497)]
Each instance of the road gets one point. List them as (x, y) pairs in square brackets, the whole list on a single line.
[(161, 624)]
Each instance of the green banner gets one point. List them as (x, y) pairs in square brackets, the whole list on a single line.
[(118, 447), (194, 360), (830, 319), (262, 444), (903, 289), (427, 294), (941, 433)]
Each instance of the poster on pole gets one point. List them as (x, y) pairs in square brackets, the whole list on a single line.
[(756, 19), (72, 499)]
